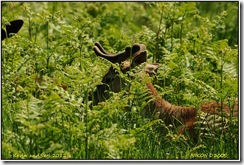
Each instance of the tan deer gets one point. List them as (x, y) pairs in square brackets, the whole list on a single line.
[(213, 107), (130, 58)]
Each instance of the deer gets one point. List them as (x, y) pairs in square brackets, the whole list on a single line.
[(215, 108), (130, 58), (12, 28), (112, 79)]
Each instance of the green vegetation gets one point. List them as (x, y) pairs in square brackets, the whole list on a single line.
[(49, 70)]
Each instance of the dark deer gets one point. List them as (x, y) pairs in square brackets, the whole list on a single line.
[(12, 28), (112, 80), (138, 54)]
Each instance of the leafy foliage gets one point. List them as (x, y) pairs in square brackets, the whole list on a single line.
[(49, 71)]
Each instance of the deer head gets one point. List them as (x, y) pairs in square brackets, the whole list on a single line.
[(13, 28), (128, 59)]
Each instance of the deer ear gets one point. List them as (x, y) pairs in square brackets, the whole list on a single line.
[(151, 68), (14, 27), (140, 58)]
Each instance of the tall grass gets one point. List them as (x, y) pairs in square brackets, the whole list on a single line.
[(49, 72)]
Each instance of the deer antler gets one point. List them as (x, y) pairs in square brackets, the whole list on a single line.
[(119, 57), (99, 46)]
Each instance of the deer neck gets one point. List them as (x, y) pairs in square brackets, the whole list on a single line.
[(160, 103), (165, 109)]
